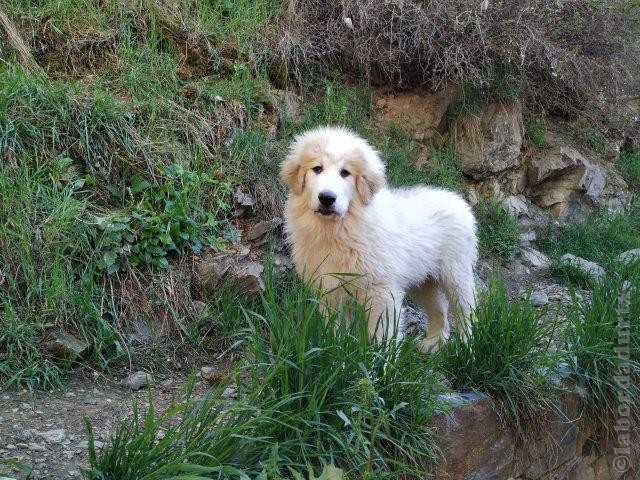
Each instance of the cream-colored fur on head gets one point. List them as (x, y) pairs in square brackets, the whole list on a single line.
[(342, 219)]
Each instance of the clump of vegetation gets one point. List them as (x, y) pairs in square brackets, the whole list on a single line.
[(629, 166), (534, 132), (497, 229), (600, 237), (508, 355), (449, 42), (602, 341), (570, 274), (312, 390), (46, 274)]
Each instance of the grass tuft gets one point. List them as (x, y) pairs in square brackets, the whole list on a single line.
[(508, 355), (629, 166), (497, 229)]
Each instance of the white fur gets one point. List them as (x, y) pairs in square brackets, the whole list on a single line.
[(418, 240)]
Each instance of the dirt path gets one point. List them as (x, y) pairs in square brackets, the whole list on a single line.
[(46, 430)]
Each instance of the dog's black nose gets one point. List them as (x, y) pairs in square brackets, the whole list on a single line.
[(327, 198)]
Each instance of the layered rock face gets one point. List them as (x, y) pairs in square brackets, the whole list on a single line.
[(560, 177)]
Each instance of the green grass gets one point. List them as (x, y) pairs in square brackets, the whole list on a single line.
[(508, 355), (497, 229), (45, 253), (600, 237), (312, 390), (597, 327), (629, 166), (534, 132), (570, 274)]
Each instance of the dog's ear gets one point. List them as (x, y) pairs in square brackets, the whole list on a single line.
[(371, 178), (292, 174)]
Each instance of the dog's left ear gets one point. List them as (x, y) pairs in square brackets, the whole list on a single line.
[(371, 178)]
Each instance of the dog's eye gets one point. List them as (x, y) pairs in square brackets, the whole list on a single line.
[(344, 173), (317, 169)]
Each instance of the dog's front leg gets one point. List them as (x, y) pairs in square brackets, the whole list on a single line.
[(384, 314)]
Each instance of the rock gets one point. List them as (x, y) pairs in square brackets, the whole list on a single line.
[(167, 385), (629, 256), (551, 163), (36, 447), (230, 392), (85, 444), (539, 298), (413, 320), (475, 443), (261, 228), (534, 258), (212, 375), (282, 262), (211, 266), (244, 203), (526, 238), (198, 307), (137, 380), (586, 266), (517, 205), (247, 276), (491, 142), (64, 345), (53, 436)]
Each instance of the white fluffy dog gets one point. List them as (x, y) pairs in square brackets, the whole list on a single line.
[(342, 219)]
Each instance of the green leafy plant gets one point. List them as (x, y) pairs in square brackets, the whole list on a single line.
[(629, 166), (167, 217)]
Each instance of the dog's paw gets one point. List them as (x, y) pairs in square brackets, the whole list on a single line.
[(430, 345)]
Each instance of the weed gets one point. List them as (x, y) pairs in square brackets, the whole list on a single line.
[(629, 166), (497, 229), (569, 274), (534, 132), (602, 342), (600, 237), (45, 252), (507, 355)]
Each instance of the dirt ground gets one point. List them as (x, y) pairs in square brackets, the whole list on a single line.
[(46, 431)]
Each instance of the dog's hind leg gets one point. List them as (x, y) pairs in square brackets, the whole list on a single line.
[(460, 290), (384, 314), (432, 299)]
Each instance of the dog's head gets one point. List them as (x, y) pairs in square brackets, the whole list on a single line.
[(331, 169)]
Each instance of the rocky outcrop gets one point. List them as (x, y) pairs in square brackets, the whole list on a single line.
[(490, 142), (479, 446)]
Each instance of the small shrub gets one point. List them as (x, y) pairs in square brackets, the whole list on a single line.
[(167, 217), (602, 341), (629, 166), (507, 355), (497, 229)]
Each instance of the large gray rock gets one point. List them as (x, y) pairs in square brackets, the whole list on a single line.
[(534, 258), (629, 256), (592, 268), (491, 142), (137, 380), (63, 345)]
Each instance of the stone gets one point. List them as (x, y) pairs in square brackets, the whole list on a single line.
[(85, 444), (629, 256), (247, 276), (517, 205), (491, 142), (63, 345), (137, 380), (244, 203), (551, 163), (212, 375), (525, 238), (539, 298), (476, 444), (262, 228), (53, 436), (230, 392), (534, 258), (586, 266), (211, 266), (36, 447), (198, 307)]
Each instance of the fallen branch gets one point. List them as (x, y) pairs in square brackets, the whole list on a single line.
[(16, 41)]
